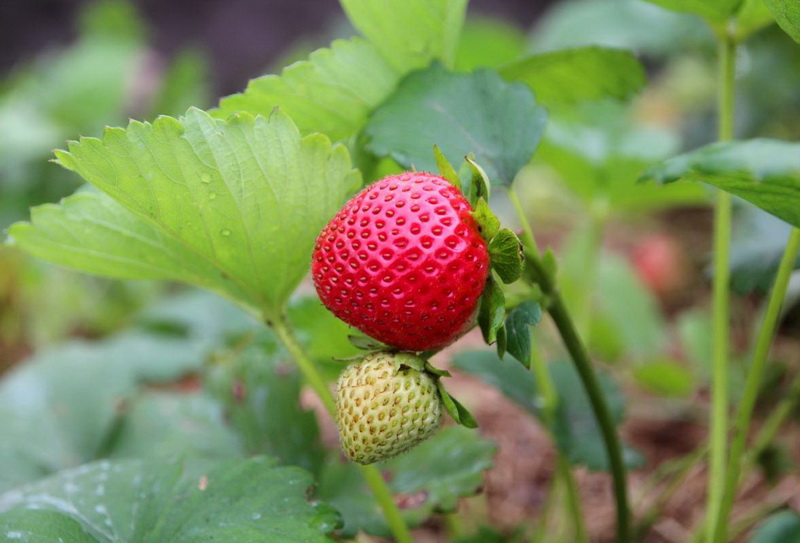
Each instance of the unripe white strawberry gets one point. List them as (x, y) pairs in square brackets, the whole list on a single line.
[(386, 404)]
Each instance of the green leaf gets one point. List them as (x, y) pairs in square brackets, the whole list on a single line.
[(505, 253), (753, 16), (222, 195), (429, 478), (488, 43), (665, 378), (764, 172), (409, 33), (492, 310), (575, 428), (573, 75), (631, 307), (40, 526), (62, 407), (781, 527), (174, 425), (787, 14), (455, 408), (598, 153), (260, 392), (759, 240), (156, 501), (626, 24), (488, 223), (332, 92), (446, 169), (715, 10), (479, 113), (518, 323)]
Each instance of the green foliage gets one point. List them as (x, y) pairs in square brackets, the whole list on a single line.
[(492, 310), (66, 405), (409, 33), (574, 428), (505, 252), (631, 309), (41, 526), (488, 43), (260, 393), (106, 75), (764, 172), (500, 123), (625, 24), (759, 240), (225, 215), (781, 527), (665, 378), (431, 477), (753, 16), (155, 501), (714, 10), (787, 14), (332, 92), (599, 154), (518, 330), (568, 76)]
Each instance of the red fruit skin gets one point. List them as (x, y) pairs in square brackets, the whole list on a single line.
[(404, 262)]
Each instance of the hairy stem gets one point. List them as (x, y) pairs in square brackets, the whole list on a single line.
[(371, 474), (721, 299), (755, 377)]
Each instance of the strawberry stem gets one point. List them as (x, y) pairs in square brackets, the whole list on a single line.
[(372, 475), (544, 276)]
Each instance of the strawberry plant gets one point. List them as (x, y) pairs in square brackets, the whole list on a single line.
[(340, 236)]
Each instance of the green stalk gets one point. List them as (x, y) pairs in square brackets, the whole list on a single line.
[(371, 474), (547, 391), (573, 499), (769, 429), (755, 377), (721, 300), (577, 351), (569, 335)]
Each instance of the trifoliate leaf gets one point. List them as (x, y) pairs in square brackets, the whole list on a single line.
[(237, 204)]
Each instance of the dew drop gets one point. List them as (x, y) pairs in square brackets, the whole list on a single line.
[(225, 232), (205, 178), (212, 195)]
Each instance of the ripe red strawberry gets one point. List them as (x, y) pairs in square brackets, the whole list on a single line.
[(404, 262)]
